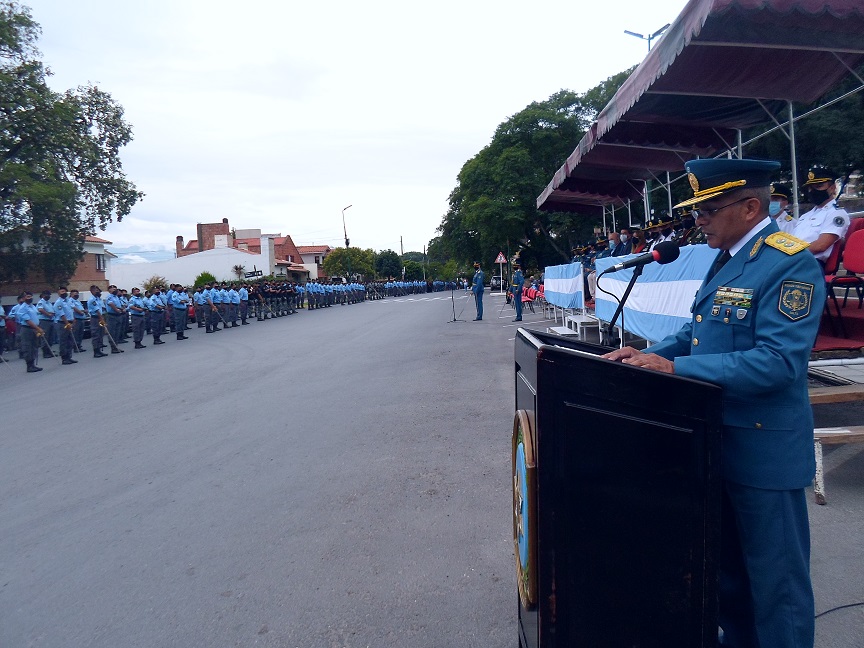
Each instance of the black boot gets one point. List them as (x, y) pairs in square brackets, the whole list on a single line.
[(180, 336), (138, 345), (32, 368), (157, 340), (99, 354)]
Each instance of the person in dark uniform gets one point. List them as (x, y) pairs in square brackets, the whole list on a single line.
[(477, 289), (516, 288), (27, 320), (755, 318)]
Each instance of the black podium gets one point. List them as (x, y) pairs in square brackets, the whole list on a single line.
[(616, 501)]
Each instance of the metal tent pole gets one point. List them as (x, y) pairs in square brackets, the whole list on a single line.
[(796, 210), (669, 192)]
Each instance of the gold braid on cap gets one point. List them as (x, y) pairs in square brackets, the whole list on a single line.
[(723, 187)]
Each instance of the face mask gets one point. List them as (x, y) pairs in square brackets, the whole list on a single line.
[(774, 208), (62, 295), (29, 300), (624, 238), (819, 196)]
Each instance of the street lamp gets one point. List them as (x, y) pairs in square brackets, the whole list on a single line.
[(651, 37), (344, 231)]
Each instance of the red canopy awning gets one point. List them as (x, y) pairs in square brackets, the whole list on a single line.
[(718, 68)]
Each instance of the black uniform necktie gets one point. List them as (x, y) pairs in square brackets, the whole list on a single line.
[(719, 263)]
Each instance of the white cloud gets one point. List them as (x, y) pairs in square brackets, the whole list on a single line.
[(278, 114)]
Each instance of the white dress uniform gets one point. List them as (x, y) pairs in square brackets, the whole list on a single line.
[(829, 219)]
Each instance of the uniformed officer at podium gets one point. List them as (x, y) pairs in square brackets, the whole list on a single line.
[(755, 318)]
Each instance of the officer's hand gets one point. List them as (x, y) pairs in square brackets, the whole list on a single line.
[(620, 354), (39, 332), (67, 326), (647, 361)]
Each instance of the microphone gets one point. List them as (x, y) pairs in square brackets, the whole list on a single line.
[(665, 252)]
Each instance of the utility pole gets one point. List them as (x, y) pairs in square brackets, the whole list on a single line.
[(345, 231), (401, 249), (424, 263)]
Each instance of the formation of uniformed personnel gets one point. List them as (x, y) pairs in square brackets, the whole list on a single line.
[(691, 234), (477, 288), (754, 322)]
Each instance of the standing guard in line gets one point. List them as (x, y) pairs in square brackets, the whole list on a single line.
[(180, 302), (63, 318), (26, 319), (96, 308), (137, 309), (46, 321), (243, 293), (156, 305), (78, 324)]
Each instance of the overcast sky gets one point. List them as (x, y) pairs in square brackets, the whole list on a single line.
[(276, 115)]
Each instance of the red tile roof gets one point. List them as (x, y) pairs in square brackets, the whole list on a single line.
[(95, 239), (310, 249)]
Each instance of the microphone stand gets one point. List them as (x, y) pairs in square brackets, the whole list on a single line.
[(453, 303), (609, 328)]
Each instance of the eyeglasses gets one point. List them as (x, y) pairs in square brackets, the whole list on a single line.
[(697, 213)]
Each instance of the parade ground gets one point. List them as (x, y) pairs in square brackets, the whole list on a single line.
[(338, 478)]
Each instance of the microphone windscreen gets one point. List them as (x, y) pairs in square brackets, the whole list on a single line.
[(666, 252)]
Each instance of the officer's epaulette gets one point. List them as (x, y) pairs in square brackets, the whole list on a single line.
[(786, 243)]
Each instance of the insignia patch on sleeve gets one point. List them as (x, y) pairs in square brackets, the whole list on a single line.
[(795, 299), (838, 221), (786, 243)]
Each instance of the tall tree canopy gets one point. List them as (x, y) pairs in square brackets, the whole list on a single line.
[(493, 203), (350, 262), (60, 172)]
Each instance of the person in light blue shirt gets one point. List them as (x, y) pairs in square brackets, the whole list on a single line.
[(63, 325), (98, 325), (115, 311), (180, 304), (124, 329), (198, 301), (46, 321), (137, 309), (234, 306), (27, 319), (243, 293), (156, 305), (79, 317)]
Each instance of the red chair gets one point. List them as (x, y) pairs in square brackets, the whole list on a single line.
[(832, 263), (853, 264), (854, 225)]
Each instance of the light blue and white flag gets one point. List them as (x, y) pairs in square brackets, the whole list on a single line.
[(563, 285), (660, 302)]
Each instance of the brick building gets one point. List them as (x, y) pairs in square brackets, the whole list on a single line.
[(92, 269)]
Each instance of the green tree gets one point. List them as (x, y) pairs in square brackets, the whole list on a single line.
[(413, 270), (204, 278), (388, 264), (156, 280), (350, 262), (493, 206), (60, 172), (419, 257), (239, 270)]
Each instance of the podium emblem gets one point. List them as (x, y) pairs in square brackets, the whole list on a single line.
[(525, 506)]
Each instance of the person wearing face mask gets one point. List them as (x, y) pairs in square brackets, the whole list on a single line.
[(781, 196), (638, 242), (663, 226), (46, 321), (27, 319), (826, 223), (79, 315), (625, 243), (96, 308), (63, 318)]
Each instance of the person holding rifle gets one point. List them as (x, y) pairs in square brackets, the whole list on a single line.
[(754, 322), (516, 288), (27, 319)]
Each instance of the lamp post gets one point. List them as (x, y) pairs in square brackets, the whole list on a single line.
[(344, 231), (651, 37)]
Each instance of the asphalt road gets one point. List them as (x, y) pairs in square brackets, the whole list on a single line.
[(335, 479)]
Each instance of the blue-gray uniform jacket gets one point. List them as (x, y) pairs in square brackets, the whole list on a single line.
[(518, 282), (244, 294), (26, 313), (477, 282), (234, 296), (179, 299), (114, 304), (216, 295), (752, 330)]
